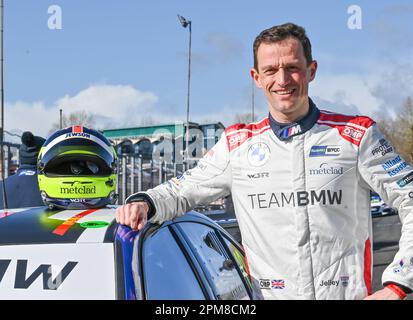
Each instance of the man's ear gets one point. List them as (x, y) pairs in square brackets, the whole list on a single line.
[(256, 77), (313, 69)]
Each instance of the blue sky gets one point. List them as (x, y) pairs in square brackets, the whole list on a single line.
[(125, 61)]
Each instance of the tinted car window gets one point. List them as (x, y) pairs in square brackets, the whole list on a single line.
[(166, 271), (240, 260), (215, 261)]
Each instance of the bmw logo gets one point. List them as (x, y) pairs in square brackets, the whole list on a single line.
[(258, 154)]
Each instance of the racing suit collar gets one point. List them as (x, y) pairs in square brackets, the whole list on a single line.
[(285, 131), (26, 166)]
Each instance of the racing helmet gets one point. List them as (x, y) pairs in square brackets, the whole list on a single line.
[(77, 169)]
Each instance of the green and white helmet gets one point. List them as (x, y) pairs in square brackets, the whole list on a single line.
[(77, 169)]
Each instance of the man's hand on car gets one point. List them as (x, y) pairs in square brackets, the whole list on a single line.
[(133, 214), (383, 294)]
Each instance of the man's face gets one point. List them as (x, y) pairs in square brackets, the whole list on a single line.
[(284, 75)]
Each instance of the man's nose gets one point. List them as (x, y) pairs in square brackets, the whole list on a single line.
[(283, 78)]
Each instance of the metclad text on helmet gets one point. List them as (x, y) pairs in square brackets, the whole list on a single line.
[(77, 134), (294, 199), (78, 190)]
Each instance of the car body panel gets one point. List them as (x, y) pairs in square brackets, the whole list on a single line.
[(41, 225), (57, 271), (75, 254)]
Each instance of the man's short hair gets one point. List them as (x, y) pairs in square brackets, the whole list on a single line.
[(280, 33)]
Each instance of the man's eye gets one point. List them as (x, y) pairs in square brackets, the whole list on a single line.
[(292, 69)]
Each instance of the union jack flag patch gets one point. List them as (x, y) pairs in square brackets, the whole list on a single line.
[(277, 284)]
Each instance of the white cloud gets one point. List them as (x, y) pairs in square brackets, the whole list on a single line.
[(22, 116), (118, 104), (112, 105), (347, 93)]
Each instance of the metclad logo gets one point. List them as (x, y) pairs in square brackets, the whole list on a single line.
[(295, 199), (75, 189), (382, 149), (326, 169), (325, 151)]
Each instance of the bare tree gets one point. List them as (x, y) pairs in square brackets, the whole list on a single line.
[(244, 117), (399, 129), (81, 118)]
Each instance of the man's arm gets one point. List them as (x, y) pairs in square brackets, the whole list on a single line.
[(392, 178), (208, 181)]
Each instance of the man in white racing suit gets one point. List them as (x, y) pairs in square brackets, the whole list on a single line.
[(300, 181)]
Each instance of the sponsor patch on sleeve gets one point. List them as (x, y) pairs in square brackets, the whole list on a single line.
[(382, 148), (405, 180)]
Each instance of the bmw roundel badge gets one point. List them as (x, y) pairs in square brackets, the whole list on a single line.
[(258, 154)]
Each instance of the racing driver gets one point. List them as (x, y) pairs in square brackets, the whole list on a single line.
[(300, 181)]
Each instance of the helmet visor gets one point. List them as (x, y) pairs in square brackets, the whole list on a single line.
[(78, 157)]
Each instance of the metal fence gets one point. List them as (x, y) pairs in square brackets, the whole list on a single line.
[(136, 174), (11, 156), (133, 174)]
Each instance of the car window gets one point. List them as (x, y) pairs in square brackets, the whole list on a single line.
[(240, 260), (167, 274), (217, 264)]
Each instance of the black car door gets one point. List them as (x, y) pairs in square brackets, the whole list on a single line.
[(192, 260)]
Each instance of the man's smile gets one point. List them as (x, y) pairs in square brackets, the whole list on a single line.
[(284, 92)]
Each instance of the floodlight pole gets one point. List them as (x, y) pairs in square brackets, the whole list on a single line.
[(4, 195), (187, 23)]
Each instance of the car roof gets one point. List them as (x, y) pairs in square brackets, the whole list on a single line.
[(40, 225)]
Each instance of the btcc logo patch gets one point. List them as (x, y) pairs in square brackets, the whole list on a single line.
[(325, 151)]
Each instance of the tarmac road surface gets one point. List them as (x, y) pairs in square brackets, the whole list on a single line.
[(386, 235)]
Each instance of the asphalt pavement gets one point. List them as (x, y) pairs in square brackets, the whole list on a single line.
[(386, 235)]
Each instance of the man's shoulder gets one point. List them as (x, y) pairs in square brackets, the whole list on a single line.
[(339, 119), (350, 127), (238, 133), (253, 126)]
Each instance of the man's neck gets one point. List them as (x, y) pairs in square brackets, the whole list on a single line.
[(285, 131), (293, 117)]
